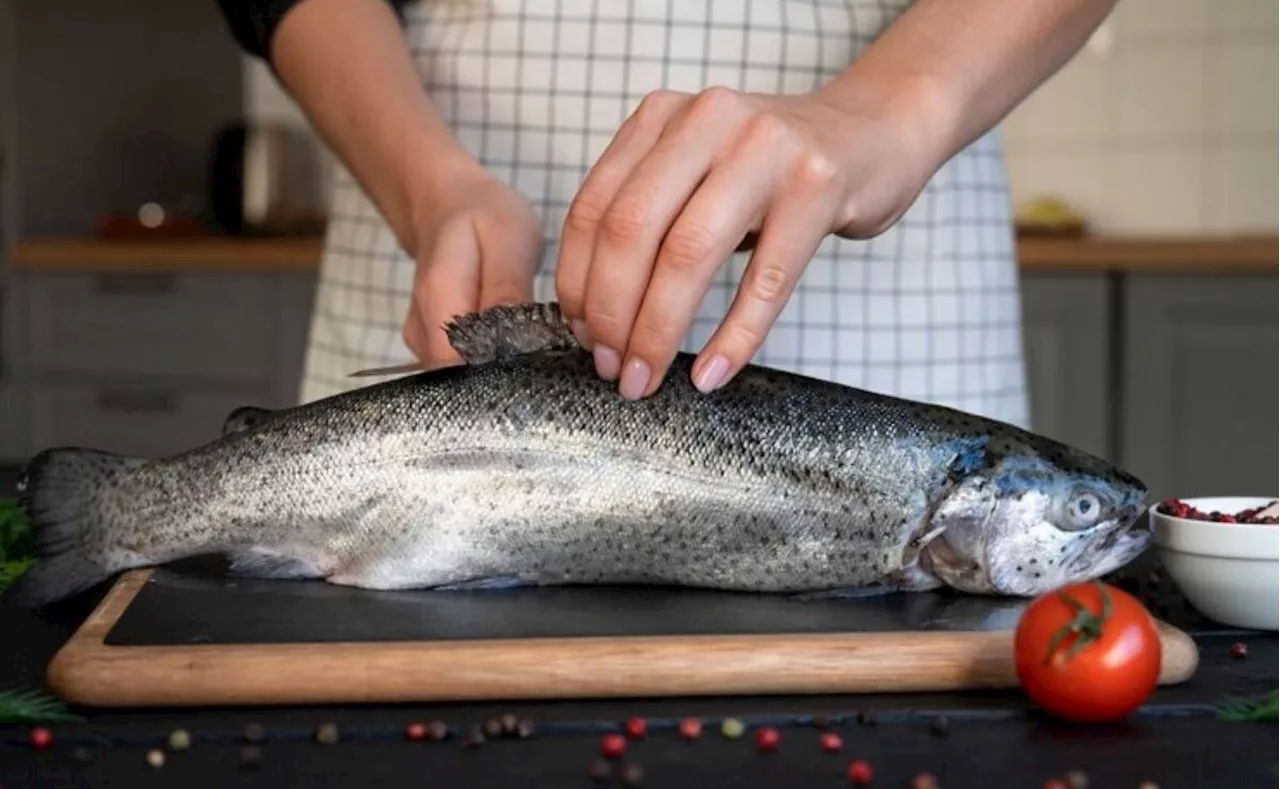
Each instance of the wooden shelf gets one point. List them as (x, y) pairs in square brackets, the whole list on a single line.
[(1191, 254)]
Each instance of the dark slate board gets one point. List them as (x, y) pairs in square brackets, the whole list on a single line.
[(205, 607)]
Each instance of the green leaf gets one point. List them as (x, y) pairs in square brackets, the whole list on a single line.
[(10, 572), (32, 706), (1259, 710)]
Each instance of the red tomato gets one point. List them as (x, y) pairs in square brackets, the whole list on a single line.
[(1087, 652)]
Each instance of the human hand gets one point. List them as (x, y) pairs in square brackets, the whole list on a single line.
[(685, 181), (476, 246)]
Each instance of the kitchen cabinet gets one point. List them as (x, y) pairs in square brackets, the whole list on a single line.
[(145, 362), (1199, 384), (1067, 337)]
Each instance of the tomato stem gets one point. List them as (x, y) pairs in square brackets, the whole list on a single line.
[(1086, 626)]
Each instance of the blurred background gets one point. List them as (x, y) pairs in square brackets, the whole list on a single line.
[(161, 205)]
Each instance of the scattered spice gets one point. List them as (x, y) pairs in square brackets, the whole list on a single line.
[(1255, 515), (179, 740), (155, 758), (415, 732), (437, 731), (601, 771), (691, 728), (40, 738), (732, 728), (524, 729), (940, 726), (636, 728), (924, 781), (250, 756), (1239, 649), (475, 736), (767, 739), (866, 718), (254, 733), (493, 728), (510, 725), (612, 746), (860, 772), (632, 775), (327, 733), (1077, 779), (81, 754), (831, 742)]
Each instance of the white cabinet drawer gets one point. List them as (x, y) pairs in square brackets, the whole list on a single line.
[(153, 323), (139, 420)]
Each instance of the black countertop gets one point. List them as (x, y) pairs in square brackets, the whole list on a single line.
[(993, 739)]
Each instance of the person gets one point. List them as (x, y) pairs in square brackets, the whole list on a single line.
[(812, 185)]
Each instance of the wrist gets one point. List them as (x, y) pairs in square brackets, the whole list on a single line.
[(434, 169)]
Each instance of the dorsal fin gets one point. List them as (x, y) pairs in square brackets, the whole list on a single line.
[(509, 330)]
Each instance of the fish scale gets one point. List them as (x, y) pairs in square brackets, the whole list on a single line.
[(522, 466)]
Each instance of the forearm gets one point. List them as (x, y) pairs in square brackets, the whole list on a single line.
[(346, 64), (955, 68)]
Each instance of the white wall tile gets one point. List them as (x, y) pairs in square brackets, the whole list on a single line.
[(1241, 88), (1156, 190), (1160, 93), (1240, 189), (1143, 21), (1252, 18), (1071, 107)]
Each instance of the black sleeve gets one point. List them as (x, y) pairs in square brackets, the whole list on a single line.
[(254, 22)]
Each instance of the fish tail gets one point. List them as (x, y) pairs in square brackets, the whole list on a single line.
[(60, 491)]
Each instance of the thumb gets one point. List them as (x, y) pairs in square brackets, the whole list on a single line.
[(446, 285), (509, 259)]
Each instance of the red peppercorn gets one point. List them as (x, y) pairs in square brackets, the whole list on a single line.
[(860, 772), (831, 742), (636, 728), (613, 745), (41, 738), (690, 728), (767, 738), (415, 731), (1239, 649)]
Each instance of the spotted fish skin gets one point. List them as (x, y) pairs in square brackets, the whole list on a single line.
[(522, 466)]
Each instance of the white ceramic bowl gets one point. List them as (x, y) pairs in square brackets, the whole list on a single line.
[(1229, 571)]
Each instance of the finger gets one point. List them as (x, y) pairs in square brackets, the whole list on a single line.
[(729, 205), (508, 262), (792, 232), (643, 210), (446, 285), (634, 139)]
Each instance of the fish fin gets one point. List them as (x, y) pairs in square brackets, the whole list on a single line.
[(60, 490), (484, 584), (261, 563), (244, 418), (509, 330), (849, 593)]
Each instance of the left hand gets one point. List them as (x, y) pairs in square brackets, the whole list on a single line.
[(686, 180)]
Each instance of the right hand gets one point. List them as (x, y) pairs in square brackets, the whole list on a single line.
[(477, 246)]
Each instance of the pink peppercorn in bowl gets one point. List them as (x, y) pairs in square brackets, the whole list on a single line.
[(1223, 557)]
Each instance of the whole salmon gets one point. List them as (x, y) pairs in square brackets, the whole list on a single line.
[(522, 466)]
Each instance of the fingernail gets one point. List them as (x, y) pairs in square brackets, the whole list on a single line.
[(635, 379), (712, 374), (607, 362), (579, 328)]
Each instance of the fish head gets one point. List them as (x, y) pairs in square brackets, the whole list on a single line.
[(1037, 515)]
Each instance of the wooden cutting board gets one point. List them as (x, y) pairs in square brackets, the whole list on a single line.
[(186, 637)]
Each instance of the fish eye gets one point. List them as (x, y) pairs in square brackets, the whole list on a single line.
[(1083, 510)]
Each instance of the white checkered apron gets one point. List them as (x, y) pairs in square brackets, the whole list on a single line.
[(929, 310)]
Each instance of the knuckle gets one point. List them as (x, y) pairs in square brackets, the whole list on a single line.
[(767, 129), (624, 220), (687, 247), (587, 210), (741, 342), (715, 100), (815, 171), (652, 338), (604, 320), (657, 102), (771, 284)]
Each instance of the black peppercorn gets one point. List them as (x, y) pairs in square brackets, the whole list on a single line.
[(601, 771), (254, 733), (866, 718), (524, 729), (493, 728), (940, 726), (632, 775), (250, 756), (437, 730), (475, 736), (510, 724), (327, 733)]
